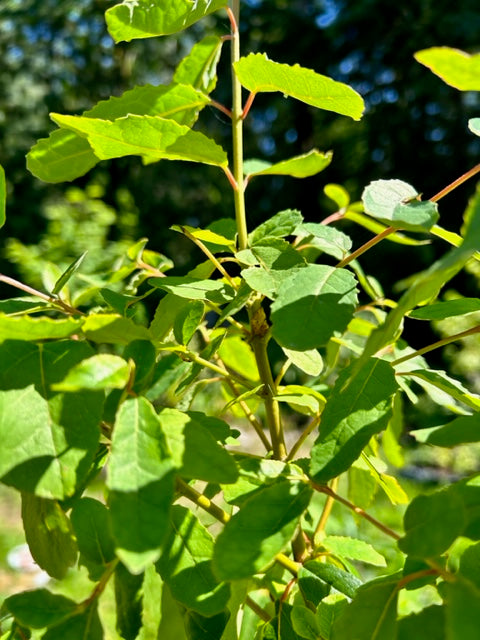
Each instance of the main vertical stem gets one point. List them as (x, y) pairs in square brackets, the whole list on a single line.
[(237, 131)]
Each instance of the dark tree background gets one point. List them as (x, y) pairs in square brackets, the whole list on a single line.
[(59, 57)]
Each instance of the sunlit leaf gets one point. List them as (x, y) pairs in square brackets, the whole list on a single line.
[(457, 68), (91, 523), (447, 309), (199, 68), (146, 19), (257, 73), (41, 328), (474, 125), (308, 164), (340, 579), (354, 549), (280, 225), (102, 371), (68, 273)]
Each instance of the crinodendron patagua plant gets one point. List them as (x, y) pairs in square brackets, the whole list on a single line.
[(122, 435)]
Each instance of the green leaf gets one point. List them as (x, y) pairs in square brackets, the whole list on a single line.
[(65, 155), (373, 613), (440, 380), (194, 450), (397, 204), (354, 549), (462, 430), (207, 236), (141, 482), (457, 68), (238, 355), (462, 604), (338, 194), (474, 126), (102, 371), (424, 538), (314, 304), (187, 321), (280, 225), (128, 600), (305, 623), (42, 328), (195, 288), (328, 611), (83, 626), (68, 273), (262, 528), (93, 531), (199, 68), (186, 565), (257, 73), (330, 240), (51, 438), (339, 579), (3, 196), (153, 137), (49, 535), (112, 328), (448, 309), (39, 608), (200, 627), (312, 588), (359, 406), (144, 355), (146, 19), (431, 621), (304, 166), (310, 362)]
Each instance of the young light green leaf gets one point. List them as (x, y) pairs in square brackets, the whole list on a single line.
[(308, 164), (305, 623), (312, 305), (185, 565), (39, 608), (3, 196), (330, 240), (93, 531), (354, 549), (423, 537), (238, 355), (32, 329), (199, 68), (440, 380), (102, 371), (195, 288), (339, 579), (261, 529), (67, 274), (457, 68), (447, 309), (359, 406), (49, 535), (373, 613), (310, 362), (51, 438), (338, 194), (257, 73), (187, 321), (280, 225), (207, 236), (152, 137), (474, 126), (145, 19), (329, 609), (65, 155), (141, 483), (128, 601), (194, 450), (397, 204), (112, 328), (144, 355)]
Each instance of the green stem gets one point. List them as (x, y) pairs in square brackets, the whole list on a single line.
[(308, 430), (437, 345), (237, 132)]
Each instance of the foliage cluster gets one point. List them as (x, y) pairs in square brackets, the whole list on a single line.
[(197, 537)]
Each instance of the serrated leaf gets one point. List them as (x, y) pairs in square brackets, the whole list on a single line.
[(448, 309), (423, 537), (91, 523), (194, 450), (457, 68), (354, 549), (199, 68), (359, 406), (195, 288), (304, 166), (377, 227), (312, 588), (3, 196), (280, 225), (152, 137), (341, 580), (314, 304), (330, 240), (128, 601), (51, 438), (49, 535), (474, 126), (145, 19), (32, 329), (68, 273), (373, 613), (262, 528), (185, 565), (396, 203), (141, 482), (39, 608), (102, 371), (257, 73), (310, 362), (112, 328), (65, 155)]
